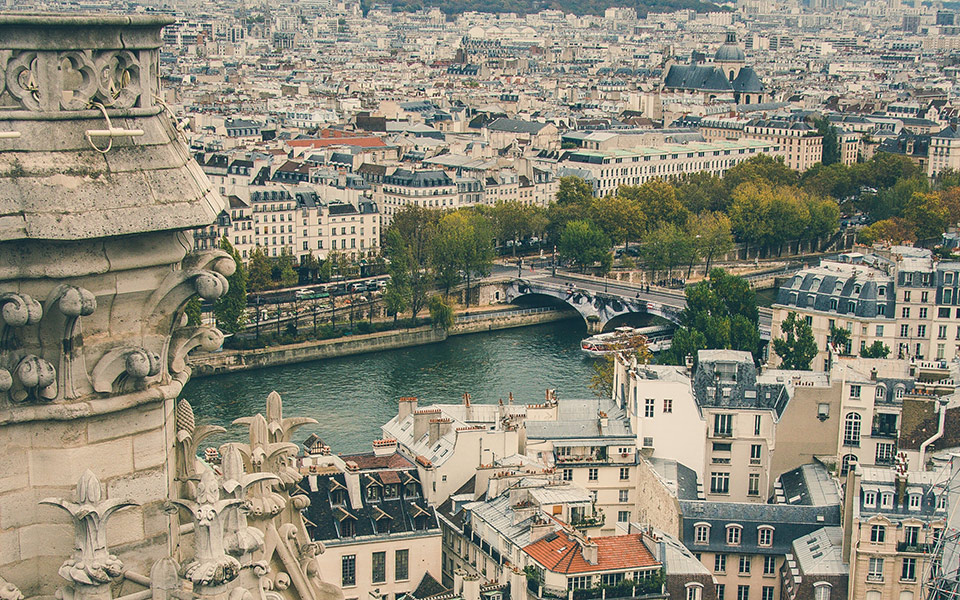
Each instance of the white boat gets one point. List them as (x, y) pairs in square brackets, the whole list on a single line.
[(656, 338)]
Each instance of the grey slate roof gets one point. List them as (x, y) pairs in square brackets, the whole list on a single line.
[(516, 126), (747, 81), (789, 522), (697, 77), (743, 392)]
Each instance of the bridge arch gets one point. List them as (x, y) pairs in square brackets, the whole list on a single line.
[(597, 308)]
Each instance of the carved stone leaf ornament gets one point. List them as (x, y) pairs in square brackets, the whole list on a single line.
[(91, 564)]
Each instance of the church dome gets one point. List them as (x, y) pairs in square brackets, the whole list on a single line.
[(730, 51)]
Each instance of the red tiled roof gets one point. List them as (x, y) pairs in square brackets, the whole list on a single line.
[(368, 461), (562, 555), (389, 477), (364, 142)]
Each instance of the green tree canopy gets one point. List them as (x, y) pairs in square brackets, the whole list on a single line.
[(259, 275), (761, 169), (583, 243), (441, 313), (797, 348), (618, 217), (831, 141), (721, 313), (875, 350)]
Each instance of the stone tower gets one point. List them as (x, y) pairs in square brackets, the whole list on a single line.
[(97, 197)]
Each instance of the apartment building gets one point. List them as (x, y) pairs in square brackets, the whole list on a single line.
[(404, 187), (891, 523), (899, 296), (609, 169), (944, 151), (381, 537), (802, 145), (590, 443), (295, 219), (719, 419)]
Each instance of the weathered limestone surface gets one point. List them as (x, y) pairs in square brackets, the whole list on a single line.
[(94, 275)]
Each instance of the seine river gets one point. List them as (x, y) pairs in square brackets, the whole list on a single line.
[(352, 396)]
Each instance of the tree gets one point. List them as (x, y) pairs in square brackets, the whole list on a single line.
[(834, 181), (618, 217), (658, 202), (831, 141), (666, 248), (574, 197), (721, 312), (626, 348), (761, 169), (840, 338), (928, 215), (797, 348), (702, 192), (893, 231), (714, 237), (309, 267), (875, 350), (750, 214), (258, 277), (287, 274), (230, 309), (410, 235), (462, 249), (441, 313), (194, 312), (583, 243)]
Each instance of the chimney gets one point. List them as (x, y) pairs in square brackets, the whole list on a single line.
[(407, 406), (850, 497), (458, 581), (434, 430), (421, 419), (590, 552), (384, 447), (471, 587), (873, 374), (688, 363), (518, 583)]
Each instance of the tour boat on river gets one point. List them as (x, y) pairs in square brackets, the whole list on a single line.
[(656, 338)]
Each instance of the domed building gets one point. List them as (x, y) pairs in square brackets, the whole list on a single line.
[(727, 78)]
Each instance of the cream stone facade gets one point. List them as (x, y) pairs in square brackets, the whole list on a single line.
[(101, 490)]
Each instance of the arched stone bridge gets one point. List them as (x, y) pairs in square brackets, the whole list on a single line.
[(599, 302), (598, 307)]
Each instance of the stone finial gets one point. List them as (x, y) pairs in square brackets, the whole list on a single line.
[(189, 438), (239, 539), (210, 567), (8, 591), (165, 579), (92, 566), (270, 440)]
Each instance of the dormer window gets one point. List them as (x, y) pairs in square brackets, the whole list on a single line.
[(391, 491), (374, 493), (734, 534), (886, 500), (942, 501), (870, 498), (765, 536), (702, 533), (915, 500)]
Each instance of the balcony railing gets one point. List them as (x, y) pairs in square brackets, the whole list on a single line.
[(851, 443), (917, 548), (596, 520), (884, 433), (874, 578)]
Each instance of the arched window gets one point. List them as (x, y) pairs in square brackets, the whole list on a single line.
[(851, 430), (731, 74), (846, 462), (701, 533), (765, 535), (734, 534), (821, 590), (694, 590), (881, 392)]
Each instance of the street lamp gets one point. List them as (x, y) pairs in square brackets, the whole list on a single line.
[(553, 260)]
